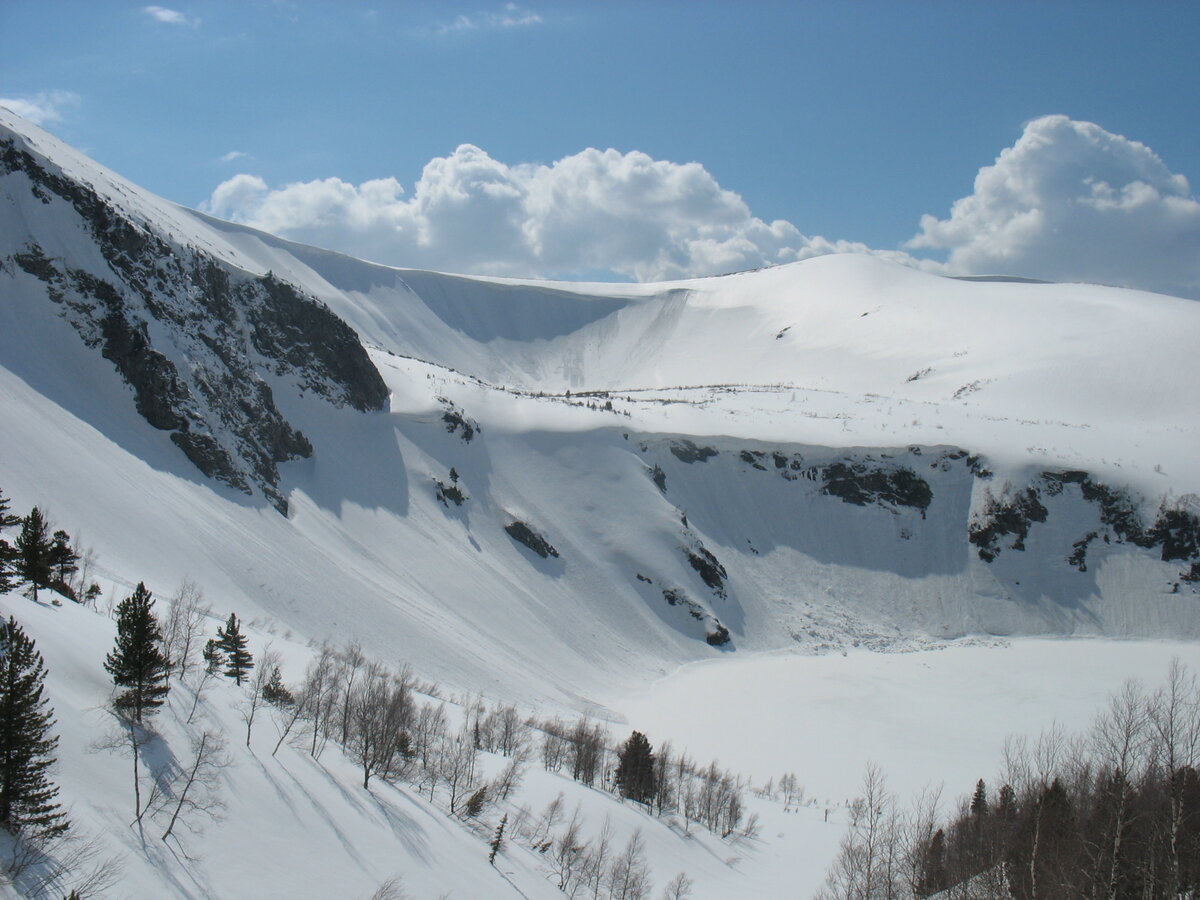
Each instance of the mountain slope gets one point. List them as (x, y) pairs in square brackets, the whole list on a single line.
[(838, 451)]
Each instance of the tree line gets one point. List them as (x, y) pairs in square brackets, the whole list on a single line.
[(1110, 814)]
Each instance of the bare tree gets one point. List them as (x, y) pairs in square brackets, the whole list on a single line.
[(66, 864), (197, 790), (392, 889), (456, 765), (184, 627), (350, 661), (629, 874), (568, 854), (678, 888), (128, 737), (320, 692), (380, 712), (200, 677), (868, 863), (253, 699), (288, 715), (598, 859), (511, 775), (587, 744)]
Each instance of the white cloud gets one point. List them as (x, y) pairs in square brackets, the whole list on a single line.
[(510, 16), (234, 156), (596, 210), (1072, 202), (42, 108), (169, 16), (1068, 202)]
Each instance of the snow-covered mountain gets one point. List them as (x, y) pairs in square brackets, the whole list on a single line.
[(836, 451), (554, 494)]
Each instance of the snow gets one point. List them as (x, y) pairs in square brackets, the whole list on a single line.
[(831, 356)]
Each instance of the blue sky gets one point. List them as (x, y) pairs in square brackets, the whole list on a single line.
[(848, 121)]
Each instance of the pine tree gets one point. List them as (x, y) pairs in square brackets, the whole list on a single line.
[(979, 801), (137, 662), (33, 551), (238, 660), (275, 691), (9, 578), (62, 559), (635, 769), (213, 657), (27, 797), (497, 841)]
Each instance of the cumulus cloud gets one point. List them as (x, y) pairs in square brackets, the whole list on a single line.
[(169, 16), (234, 156), (1070, 201), (624, 213), (42, 108)]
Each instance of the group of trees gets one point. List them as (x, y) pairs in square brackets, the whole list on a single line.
[(392, 727), (40, 557), (1111, 814)]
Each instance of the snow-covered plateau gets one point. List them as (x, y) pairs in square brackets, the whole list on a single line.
[(795, 519)]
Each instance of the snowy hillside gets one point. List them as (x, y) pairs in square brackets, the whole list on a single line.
[(831, 452), (560, 494)]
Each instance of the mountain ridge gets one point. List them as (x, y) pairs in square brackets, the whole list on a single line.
[(877, 455)]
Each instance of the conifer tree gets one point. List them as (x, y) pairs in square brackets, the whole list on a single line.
[(238, 660), (276, 692), (635, 769), (9, 578), (212, 655), (33, 551), (137, 662), (63, 559), (979, 800), (497, 841), (27, 797)]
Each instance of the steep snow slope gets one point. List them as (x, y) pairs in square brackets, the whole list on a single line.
[(839, 451)]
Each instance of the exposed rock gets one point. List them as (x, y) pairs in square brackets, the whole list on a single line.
[(711, 572), (860, 484), (659, 477), (686, 451), (521, 532), (455, 418), (157, 303), (1005, 516), (450, 492)]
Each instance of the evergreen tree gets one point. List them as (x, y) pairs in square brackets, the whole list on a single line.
[(497, 841), (27, 797), (213, 657), (635, 769), (979, 801), (9, 578), (238, 660), (33, 551), (137, 662), (275, 691), (62, 559)]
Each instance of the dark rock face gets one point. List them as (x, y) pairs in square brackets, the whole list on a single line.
[(716, 634), (686, 451), (711, 572), (455, 419), (195, 337), (1011, 516), (1175, 531), (860, 484), (521, 532)]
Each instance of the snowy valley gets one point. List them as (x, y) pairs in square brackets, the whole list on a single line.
[(770, 517)]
